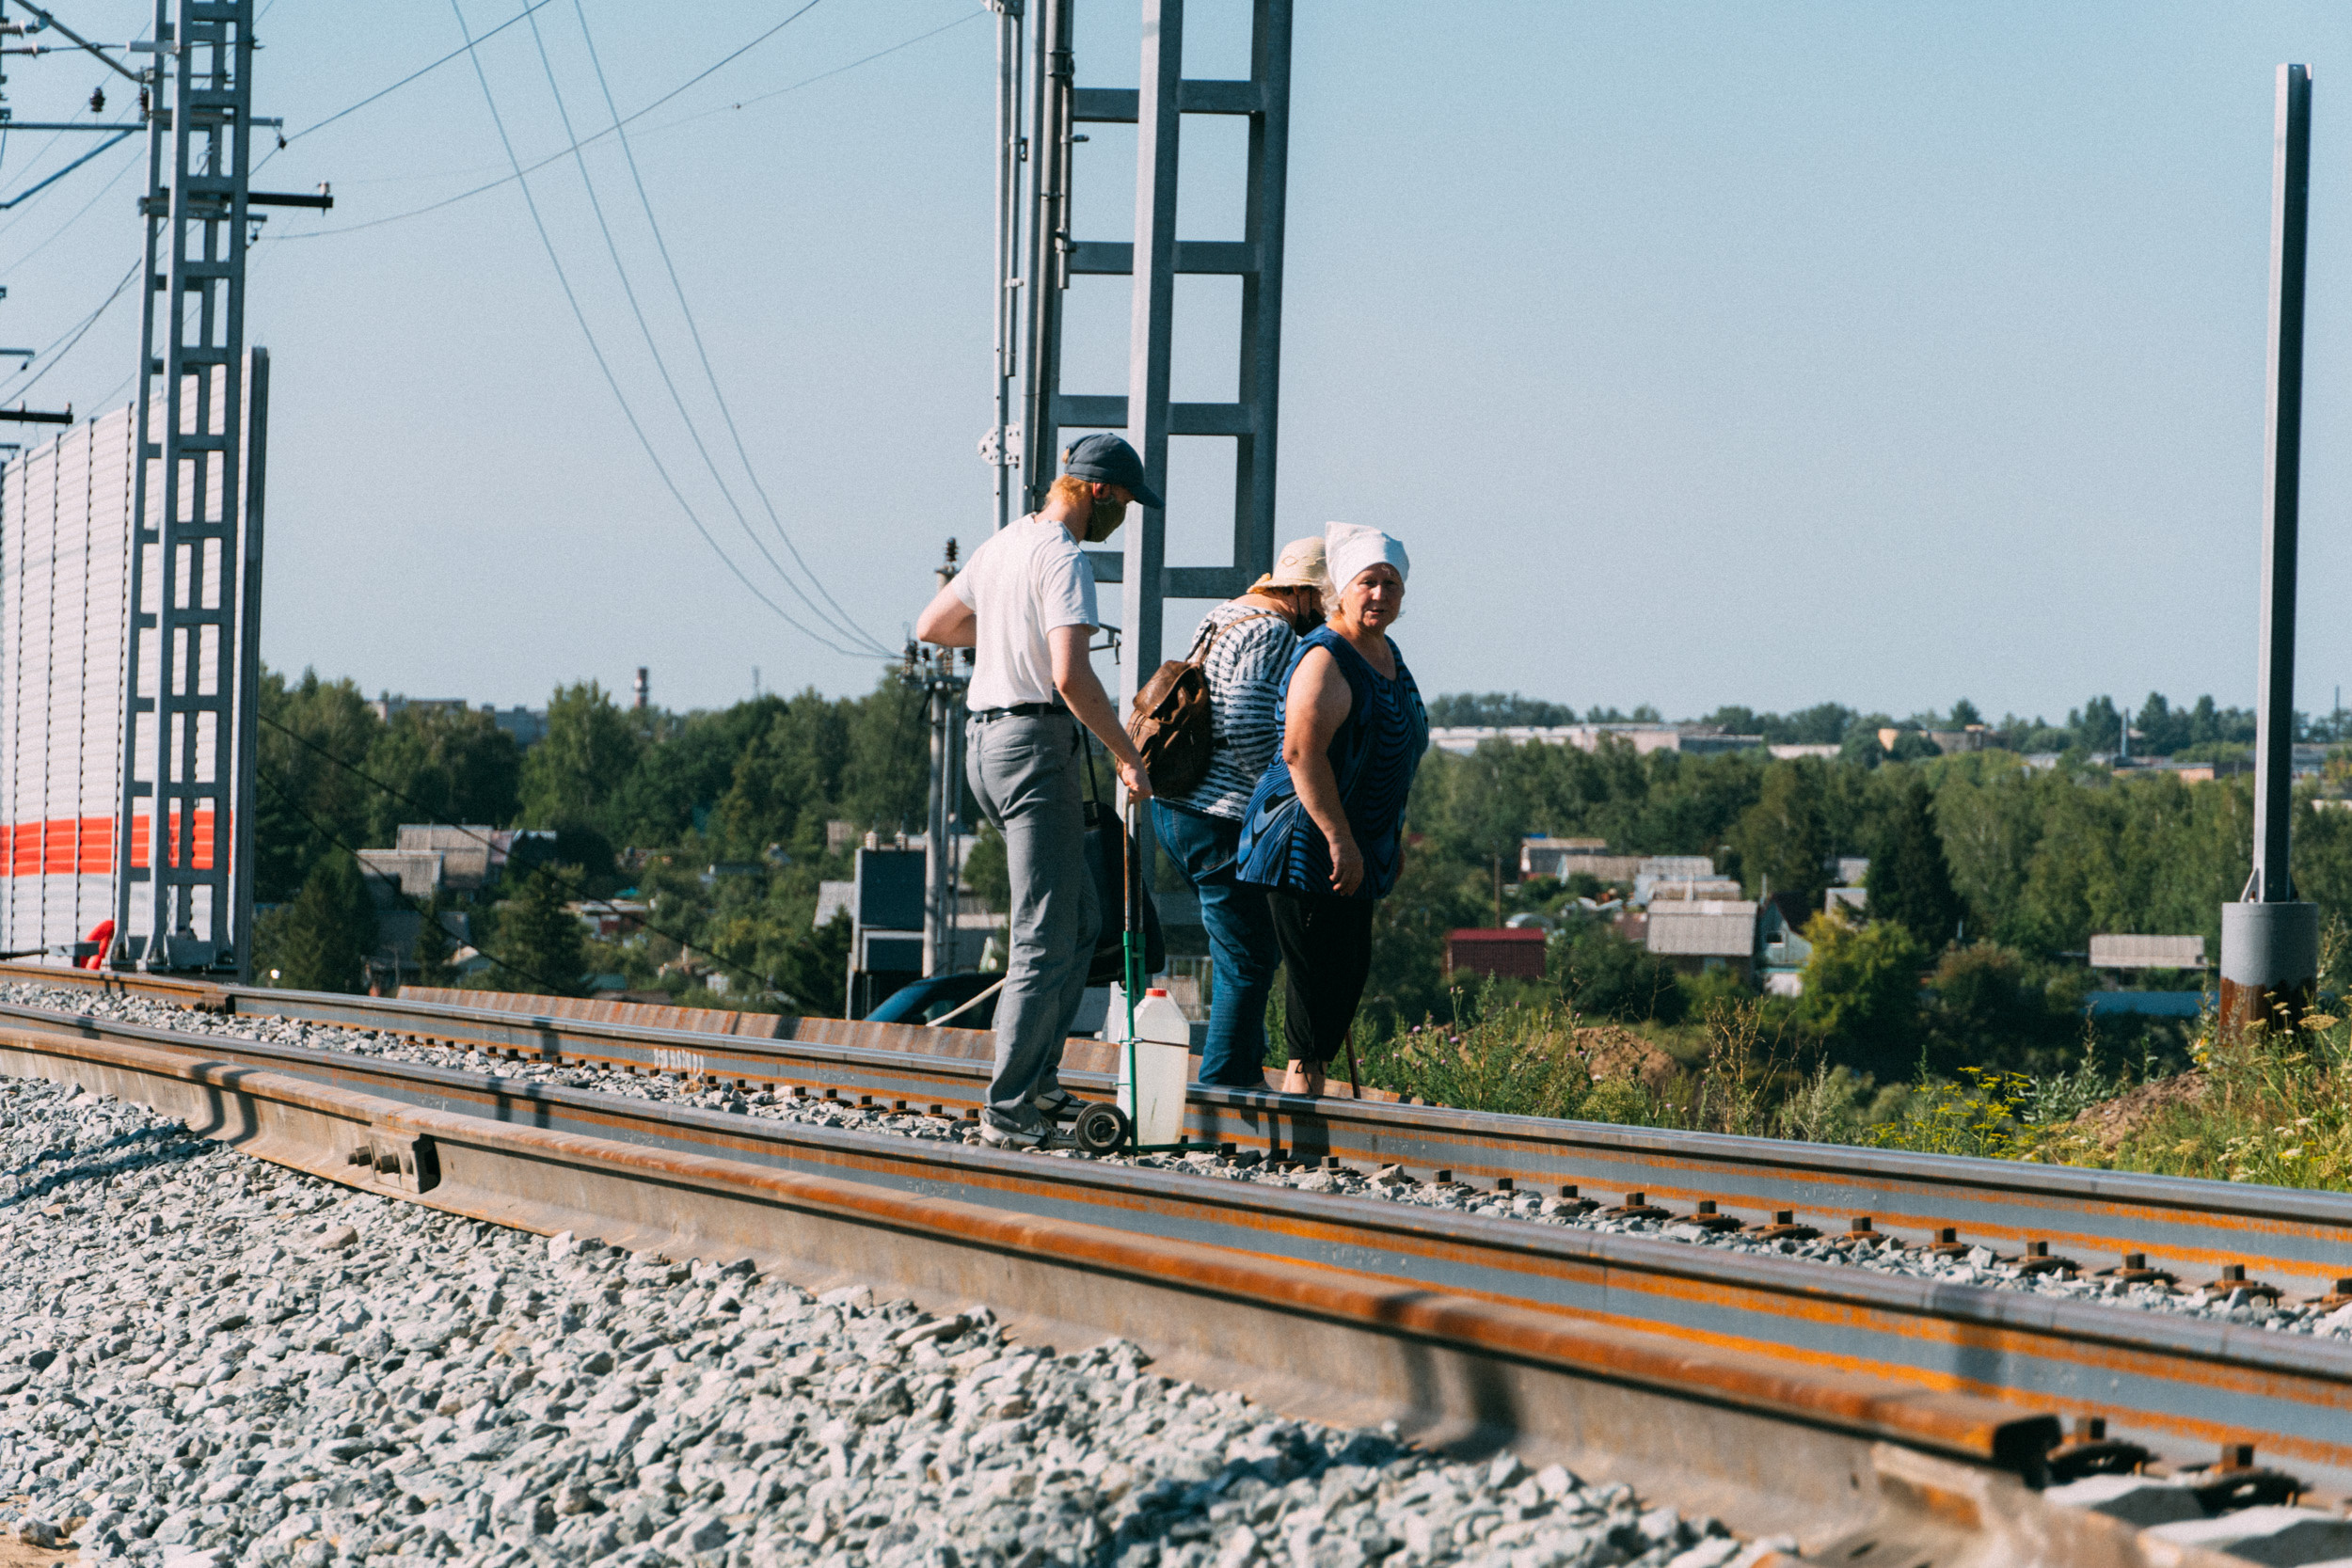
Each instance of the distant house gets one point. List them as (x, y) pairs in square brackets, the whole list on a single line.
[(1849, 870), (1512, 954), (1782, 951), (1657, 870), (1855, 899), (611, 918), (2143, 952), (1696, 887), (1696, 739), (1696, 935), (1543, 856)]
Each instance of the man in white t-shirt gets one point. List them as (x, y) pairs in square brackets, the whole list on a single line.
[(1024, 604)]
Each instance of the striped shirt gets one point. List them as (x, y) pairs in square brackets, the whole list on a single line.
[(1244, 669)]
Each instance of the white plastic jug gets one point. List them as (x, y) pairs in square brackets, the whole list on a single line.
[(1154, 1071)]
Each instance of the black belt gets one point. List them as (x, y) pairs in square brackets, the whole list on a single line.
[(1017, 710)]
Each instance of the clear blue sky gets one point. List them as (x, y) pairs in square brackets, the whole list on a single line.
[(1701, 353)]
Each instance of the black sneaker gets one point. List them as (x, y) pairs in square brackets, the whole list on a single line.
[(1057, 1104)]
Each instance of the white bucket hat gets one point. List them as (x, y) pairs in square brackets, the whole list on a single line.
[(1299, 565)]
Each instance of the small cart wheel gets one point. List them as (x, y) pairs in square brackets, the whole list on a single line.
[(1101, 1129)]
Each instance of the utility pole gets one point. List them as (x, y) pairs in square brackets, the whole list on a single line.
[(184, 796), (2271, 939), (1040, 109), (937, 675)]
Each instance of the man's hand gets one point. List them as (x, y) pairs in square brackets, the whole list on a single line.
[(1073, 678), (1132, 774)]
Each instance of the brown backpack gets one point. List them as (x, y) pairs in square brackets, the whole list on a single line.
[(1171, 725)]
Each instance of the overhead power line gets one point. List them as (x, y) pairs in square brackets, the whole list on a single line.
[(519, 170), (468, 47), (661, 366), (50, 358), (820, 76), (604, 366), (694, 330)]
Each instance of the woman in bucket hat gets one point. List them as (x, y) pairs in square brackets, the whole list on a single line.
[(1248, 642)]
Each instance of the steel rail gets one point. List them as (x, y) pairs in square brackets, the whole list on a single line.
[(1867, 1471), (2299, 1240), (2180, 1385)]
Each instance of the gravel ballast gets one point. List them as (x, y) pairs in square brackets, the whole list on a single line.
[(1977, 1266), (206, 1359)]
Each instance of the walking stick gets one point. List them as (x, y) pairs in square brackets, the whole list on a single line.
[(1131, 967), (1353, 1086)]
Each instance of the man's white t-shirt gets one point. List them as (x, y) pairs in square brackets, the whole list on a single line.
[(1027, 581)]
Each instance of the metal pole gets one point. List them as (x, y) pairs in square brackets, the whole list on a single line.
[(250, 667), (2269, 941), (1048, 272), (1262, 290), (1007, 280), (1151, 331)]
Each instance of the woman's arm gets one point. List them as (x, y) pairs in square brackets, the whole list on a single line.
[(1318, 706)]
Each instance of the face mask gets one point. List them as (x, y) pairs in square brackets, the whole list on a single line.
[(1105, 520)]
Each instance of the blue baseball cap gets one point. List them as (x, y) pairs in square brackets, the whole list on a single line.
[(1108, 460)]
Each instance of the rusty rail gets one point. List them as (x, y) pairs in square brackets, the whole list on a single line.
[(2299, 1240), (1861, 1466), (2179, 1384)]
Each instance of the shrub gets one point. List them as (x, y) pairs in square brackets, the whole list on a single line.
[(1603, 976)]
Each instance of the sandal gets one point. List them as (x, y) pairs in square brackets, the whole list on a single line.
[(1303, 1078)]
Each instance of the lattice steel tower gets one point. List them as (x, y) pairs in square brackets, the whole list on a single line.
[(191, 677), (1039, 108)]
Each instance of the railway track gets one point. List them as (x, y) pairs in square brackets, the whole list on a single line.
[(2297, 1242), (1779, 1393)]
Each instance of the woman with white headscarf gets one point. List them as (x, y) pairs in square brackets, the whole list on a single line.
[(1324, 834)]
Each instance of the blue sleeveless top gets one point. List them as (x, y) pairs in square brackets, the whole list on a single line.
[(1373, 757)]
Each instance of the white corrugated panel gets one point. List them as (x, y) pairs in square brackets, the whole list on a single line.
[(65, 539), (2141, 952)]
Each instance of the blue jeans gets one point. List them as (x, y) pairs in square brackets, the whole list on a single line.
[(1241, 942)]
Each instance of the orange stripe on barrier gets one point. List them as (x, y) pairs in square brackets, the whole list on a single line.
[(85, 845)]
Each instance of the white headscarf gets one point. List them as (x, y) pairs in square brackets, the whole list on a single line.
[(1349, 548)]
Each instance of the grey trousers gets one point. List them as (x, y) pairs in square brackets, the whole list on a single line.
[(1024, 772)]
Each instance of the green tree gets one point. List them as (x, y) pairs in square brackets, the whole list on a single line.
[(322, 940), (1603, 975), (1909, 880), (542, 947), (816, 968), (785, 779), (434, 947), (307, 803), (1861, 996), (443, 765), (574, 775), (1785, 836)]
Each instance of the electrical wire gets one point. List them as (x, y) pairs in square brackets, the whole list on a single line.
[(842, 626), (812, 81), (470, 44), (128, 164), (565, 153), (694, 330), (50, 358), (405, 798), (612, 380)]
